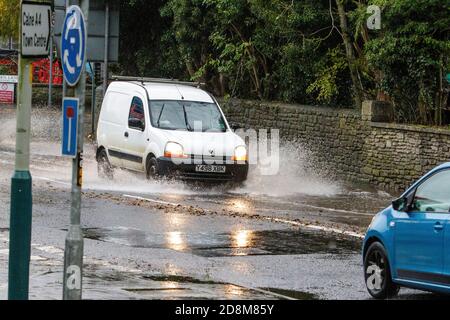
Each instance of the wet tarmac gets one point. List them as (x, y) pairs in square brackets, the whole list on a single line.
[(238, 243), (293, 236)]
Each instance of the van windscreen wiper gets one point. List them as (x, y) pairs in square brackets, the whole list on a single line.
[(160, 114), (188, 126)]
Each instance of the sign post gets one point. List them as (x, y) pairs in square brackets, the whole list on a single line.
[(50, 71), (34, 36), (73, 53)]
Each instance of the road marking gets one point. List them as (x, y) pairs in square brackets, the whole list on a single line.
[(51, 180), (37, 258), (50, 249), (151, 200), (279, 220), (32, 258), (317, 227), (338, 210)]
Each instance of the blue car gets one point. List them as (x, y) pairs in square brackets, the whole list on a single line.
[(408, 243)]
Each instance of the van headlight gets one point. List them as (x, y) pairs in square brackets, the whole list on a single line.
[(174, 150), (240, 154)]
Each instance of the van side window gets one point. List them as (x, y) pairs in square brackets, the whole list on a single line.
[(136, 117)]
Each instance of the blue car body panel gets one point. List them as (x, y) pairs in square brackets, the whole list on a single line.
[(417, 243)]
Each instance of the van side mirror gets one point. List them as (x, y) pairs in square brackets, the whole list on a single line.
[(136, 124), (234, 126)]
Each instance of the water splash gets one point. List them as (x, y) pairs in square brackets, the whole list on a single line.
[(297, 174)]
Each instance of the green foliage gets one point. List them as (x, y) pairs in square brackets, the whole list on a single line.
[(326, 85), (293, 50), (146, 49), (412, 55), (9, 18)]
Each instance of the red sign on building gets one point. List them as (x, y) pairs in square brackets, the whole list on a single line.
[(7, 93)]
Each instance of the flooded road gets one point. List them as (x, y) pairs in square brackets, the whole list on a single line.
[(293, 235)]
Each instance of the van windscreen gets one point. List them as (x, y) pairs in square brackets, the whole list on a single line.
[(186, 115)]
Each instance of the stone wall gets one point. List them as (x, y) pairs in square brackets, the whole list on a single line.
[(395, 155), (388, 155)]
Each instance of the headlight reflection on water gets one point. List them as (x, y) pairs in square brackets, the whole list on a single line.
[(232, 291), (242, 238), (176, 241)]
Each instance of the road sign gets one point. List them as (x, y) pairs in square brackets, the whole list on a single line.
[(73, 45), (70, 127), (6, 93), (36, 19), (97, 33), (5, 78)]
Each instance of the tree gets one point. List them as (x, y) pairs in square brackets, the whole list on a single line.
[(306, 51), (350, 53), (146, 49), (9, 18), (412, 53)]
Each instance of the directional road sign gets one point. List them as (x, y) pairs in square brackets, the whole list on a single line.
[(35, 29), (73, 45), (70, 127)]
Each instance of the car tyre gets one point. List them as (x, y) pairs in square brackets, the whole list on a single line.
[(104, 168), (152, 168), (377, 273)]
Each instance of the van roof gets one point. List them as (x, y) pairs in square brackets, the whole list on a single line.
[(163, 91), (169, 91)]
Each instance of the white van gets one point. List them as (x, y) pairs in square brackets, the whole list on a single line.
[(167, 128)]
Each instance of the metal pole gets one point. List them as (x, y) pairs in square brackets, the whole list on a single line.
[(21, 197), (105, 69), (50, 81), (93, 101), (64, 89), (73, 254)]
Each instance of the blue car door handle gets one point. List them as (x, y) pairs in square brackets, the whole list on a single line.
[(438, 226)]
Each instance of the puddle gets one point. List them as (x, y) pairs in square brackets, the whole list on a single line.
[(174, 278), (299, 295), (195, 291), (166, 287), (239, 243), (162, 287)]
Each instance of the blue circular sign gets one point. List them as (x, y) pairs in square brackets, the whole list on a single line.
[(73, 45)]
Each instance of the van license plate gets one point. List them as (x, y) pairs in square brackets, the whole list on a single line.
[(210, 168)]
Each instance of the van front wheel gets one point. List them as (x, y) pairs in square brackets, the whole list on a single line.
[(152, 169), (104, 168)]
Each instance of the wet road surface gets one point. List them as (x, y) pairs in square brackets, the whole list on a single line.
[(296, 235)]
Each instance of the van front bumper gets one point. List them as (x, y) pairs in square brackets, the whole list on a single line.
[(236, 172)]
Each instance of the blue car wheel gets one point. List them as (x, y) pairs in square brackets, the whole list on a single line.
[(377, 273)]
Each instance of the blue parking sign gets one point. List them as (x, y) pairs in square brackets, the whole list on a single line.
[(70, 127), (73, 45)]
